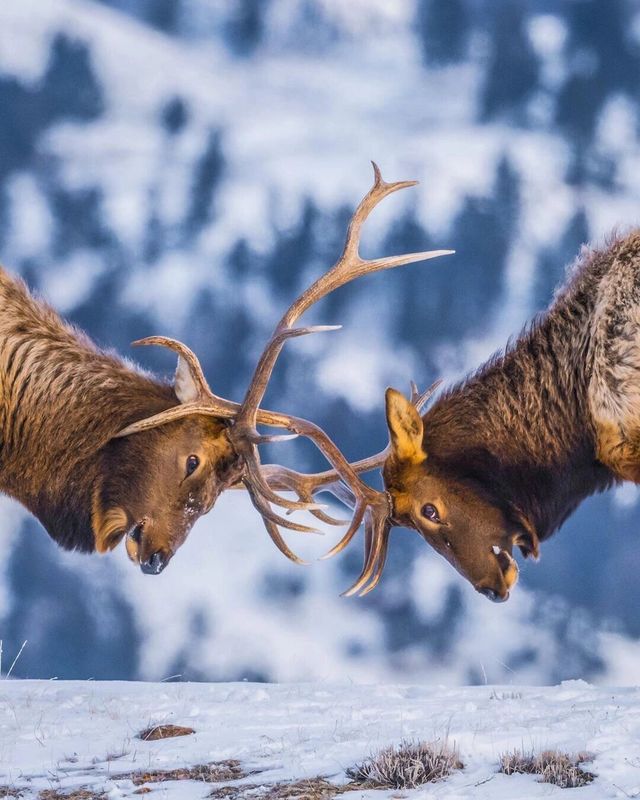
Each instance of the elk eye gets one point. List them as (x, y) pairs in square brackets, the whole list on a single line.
[(192, 464), (431, 513)]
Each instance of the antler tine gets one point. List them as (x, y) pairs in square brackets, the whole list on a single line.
[(377, 534), (186, 354), (255, 475), (267, 513), (378, 192), (358, 515), (349, 266), (203, 402), (272, 527), (419, 399), (380, 562), (285, 479)]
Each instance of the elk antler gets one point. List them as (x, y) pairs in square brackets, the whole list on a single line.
[(243, 434), (378, 515), (349, 266), (308, 485)]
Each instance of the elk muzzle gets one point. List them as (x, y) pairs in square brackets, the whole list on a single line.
[(144, 551), (497, 586), (155, 563)]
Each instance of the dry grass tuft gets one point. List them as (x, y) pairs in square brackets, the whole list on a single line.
[(407, 766), (505, 695), (307, 789), (10, 791), (164, 732), (206, 773), (552, 766)]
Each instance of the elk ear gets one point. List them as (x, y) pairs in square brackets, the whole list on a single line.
[(405, 428), (108, 526), (184, 385)]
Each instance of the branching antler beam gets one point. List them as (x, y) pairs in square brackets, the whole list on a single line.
[(369, 506)]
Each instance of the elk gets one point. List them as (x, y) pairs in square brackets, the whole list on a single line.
[(99, 450), (501, 459)]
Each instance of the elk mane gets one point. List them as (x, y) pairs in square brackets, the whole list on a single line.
[(61, 400)]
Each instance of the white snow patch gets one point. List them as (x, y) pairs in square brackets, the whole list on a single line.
[(66, 735), (30, 223), (548, 34), (72, 281)]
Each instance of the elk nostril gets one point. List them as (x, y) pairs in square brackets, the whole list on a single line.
[(492, 594), (155, 564)]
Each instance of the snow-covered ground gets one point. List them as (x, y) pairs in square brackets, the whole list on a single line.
[(66, 735)]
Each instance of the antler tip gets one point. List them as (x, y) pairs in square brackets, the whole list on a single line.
[(272, 437), (324, 328)]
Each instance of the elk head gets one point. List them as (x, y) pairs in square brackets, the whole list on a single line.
[(157, 484), (452, 512), (168, 469)]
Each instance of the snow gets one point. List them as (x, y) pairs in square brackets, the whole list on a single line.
[(69, 734)]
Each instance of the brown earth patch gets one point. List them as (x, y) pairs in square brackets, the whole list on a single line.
[(307, 789), (164, 732), (217, 772)]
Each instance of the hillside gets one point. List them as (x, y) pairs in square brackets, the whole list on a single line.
[(187, 174)]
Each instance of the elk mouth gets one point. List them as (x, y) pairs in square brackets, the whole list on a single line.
[(133, 539), (507, 563), (135, 533)]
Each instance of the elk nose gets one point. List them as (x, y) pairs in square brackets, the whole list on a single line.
[(492, 594), (155, 563)]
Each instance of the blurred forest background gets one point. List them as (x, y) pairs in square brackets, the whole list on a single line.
[(185, 167)]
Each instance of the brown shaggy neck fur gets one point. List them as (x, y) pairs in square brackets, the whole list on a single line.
[(61, 400), (519, 430)]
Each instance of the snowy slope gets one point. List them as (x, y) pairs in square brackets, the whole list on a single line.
[(66, 735), (110, 216)]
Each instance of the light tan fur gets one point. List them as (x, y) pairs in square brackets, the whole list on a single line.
[(109, 525), (614, 387)]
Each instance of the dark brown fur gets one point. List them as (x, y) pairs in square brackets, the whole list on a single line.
[(535, 430), (62, 401)]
